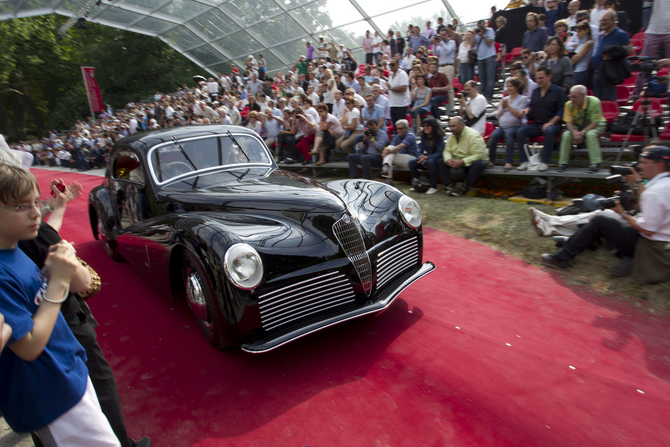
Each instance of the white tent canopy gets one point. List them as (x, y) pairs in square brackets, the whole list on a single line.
[(216, 33)]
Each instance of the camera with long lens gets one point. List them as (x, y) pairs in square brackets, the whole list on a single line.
[(623, 170), (625, 196), (643, 64), (368, 133)]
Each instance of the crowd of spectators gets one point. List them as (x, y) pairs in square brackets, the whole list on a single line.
[(322, 106)]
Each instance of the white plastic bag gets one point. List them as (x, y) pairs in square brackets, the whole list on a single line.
[(533, 157)]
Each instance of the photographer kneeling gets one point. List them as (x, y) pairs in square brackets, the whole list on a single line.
[(651, 252)]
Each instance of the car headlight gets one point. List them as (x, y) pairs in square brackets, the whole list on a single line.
[(410, 211), (243, 266)]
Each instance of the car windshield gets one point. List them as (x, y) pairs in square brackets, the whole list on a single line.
[(168, 161)]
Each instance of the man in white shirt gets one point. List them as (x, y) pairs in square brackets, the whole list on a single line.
[(367, 46), (642, 242), (311, 95), (473, 107), (399, 95), (529, 84), (212, 89), (382, 100), (311, 111), (429, 32), (254, 85), (597, 11), (573, 7), (338, 105), (408, 60), (132, 125)]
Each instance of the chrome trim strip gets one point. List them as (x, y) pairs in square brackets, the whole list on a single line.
[(291, 287), (309, 283), (267, 313), (388, 275), (393, 249), (304, 314), (401, 254), (425, 269)]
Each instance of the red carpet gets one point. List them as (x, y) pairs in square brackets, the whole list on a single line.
[(485, 351)]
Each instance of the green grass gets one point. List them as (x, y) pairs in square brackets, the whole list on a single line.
[(505, 226)]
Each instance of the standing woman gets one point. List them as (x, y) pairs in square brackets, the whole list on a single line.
[(330, 87), (501, 31), (420, 100), (467, 72), (582, 47), (561, 67)]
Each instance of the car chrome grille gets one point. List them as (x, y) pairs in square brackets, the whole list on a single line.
[(351, 241), (304, 298), (395, 259)]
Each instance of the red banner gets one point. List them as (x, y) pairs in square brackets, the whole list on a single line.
[(92, 90)]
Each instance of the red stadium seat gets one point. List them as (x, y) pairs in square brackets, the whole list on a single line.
[(489, 130), (665, 135), (516, 52), (610, 110), (458, 87), (632, 80), (656, 106), (622, 94)]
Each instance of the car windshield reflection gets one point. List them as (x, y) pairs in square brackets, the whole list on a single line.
[(168, 161)]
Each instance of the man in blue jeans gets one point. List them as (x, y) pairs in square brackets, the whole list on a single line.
[(486, 57), (546, 110)]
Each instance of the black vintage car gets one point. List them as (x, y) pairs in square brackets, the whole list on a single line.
[(263, 256)]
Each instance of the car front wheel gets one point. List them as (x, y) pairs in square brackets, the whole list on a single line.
[(200, 297)]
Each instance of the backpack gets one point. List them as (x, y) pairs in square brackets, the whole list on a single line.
[(624, 124)]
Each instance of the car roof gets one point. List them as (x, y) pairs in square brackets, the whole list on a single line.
[(153, 137)]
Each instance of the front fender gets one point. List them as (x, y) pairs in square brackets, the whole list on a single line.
[(101, 204)]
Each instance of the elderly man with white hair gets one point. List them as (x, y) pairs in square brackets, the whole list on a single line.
[(585, 123)]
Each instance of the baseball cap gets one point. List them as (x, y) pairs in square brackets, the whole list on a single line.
[(661, 153)]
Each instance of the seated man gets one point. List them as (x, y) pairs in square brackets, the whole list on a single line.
[(643, 243), (546, 111), (583, 116), (473, 107), (465, 149), (402, 149), (368, 152)]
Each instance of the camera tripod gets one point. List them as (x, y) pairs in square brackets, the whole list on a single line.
[(646, 106)]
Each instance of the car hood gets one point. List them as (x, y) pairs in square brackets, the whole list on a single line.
[(252, 189)]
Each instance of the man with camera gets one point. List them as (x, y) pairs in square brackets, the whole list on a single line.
[(473, 107), (368, 152), (643, 245), (486, 57), (585, 123), (445, 49)]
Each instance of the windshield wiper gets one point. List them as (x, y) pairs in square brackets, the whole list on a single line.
[(230, 135), (183, 152)]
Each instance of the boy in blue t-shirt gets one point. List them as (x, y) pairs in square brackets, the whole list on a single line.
[(44, 384)]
